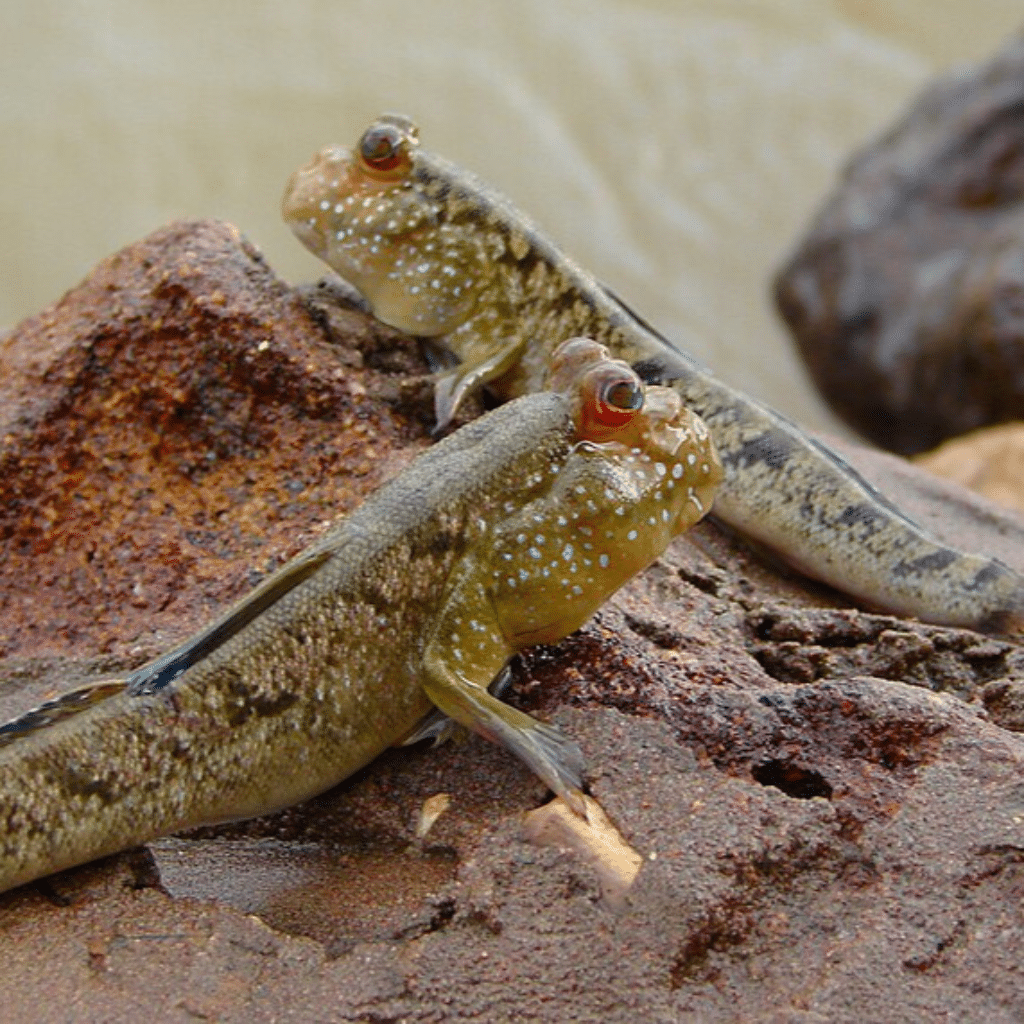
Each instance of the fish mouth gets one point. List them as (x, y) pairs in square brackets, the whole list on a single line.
[(327, 173), (670, 425)]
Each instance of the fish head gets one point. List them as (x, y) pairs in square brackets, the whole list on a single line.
[(640, 470), (380, 217)]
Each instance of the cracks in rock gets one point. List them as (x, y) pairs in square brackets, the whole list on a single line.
[(735, 923), (661, 634), (722, 932), (444, 908), (802, 646), (713, 582)]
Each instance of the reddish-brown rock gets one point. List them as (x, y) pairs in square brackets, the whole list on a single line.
[(173, 428), (906, 297), (828, 803)]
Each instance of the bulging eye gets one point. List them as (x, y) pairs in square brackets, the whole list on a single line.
[(382, 148), (625, 395), (616, 396)]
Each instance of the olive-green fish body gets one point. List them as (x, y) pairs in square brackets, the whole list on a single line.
[(511, 531), (438, 253)]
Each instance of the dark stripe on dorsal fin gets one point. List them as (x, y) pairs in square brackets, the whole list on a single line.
[(688, 360), (56, 710), (168, 667)]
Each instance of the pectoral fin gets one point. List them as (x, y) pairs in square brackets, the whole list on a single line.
[(452, 386), (551, 756), (439, 728)]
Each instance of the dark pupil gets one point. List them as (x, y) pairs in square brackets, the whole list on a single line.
[(625, 394), (379, 145)]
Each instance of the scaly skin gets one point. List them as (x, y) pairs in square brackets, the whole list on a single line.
[(511, 531), (439, 254)]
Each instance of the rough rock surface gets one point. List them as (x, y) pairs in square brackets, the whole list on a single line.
[(828, 803), (906, 298)]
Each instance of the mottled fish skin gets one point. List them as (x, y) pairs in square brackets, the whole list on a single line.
[(511, 531), (438, 253)]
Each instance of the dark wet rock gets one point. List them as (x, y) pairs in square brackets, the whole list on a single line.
[(827, 803), (906, 298)]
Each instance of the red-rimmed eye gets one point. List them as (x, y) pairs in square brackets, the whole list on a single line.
[(621, 398), (382, 148), (615, 395)]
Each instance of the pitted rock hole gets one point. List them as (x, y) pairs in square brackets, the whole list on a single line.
[(800, 783)]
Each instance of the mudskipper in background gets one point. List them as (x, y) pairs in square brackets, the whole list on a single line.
[(438, 253)]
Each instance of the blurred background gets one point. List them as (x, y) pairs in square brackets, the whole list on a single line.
[(676, 149)]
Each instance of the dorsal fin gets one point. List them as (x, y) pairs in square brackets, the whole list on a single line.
[(56, 710), (164, 670)]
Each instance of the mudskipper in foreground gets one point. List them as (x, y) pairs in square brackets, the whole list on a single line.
[(510, 532)]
